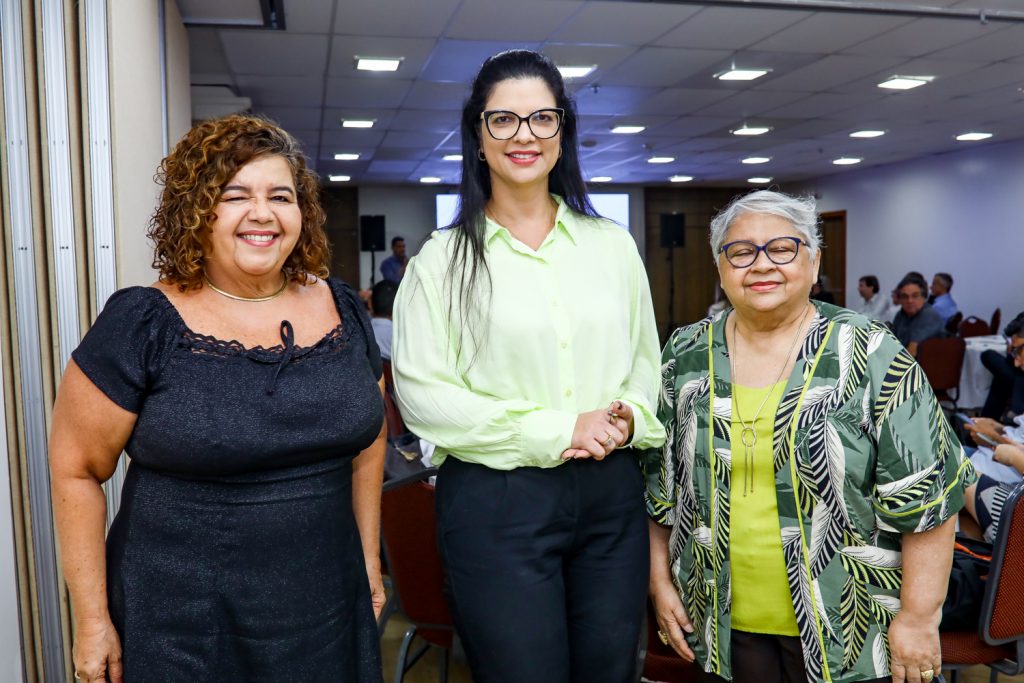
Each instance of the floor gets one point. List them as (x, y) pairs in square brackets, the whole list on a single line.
[(426, 670)]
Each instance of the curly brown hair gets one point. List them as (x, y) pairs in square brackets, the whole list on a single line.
[(193, 177)]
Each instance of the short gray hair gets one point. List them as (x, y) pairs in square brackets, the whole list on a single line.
[(801, 212)]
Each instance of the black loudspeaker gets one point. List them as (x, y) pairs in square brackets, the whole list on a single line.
[(371, 233), (673, 231)]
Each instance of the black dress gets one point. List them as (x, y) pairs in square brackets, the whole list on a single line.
[(235, 555)]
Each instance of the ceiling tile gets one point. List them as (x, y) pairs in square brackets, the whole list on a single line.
[(921, 36), (427, 120), (392, 17), (995, 46), (751, 103), (205, 52), (413, 51), (500, 20), (730, 27), (611, 100), (274, 53), (814, 106), (366, 92), (294, 118), (829, 72), (622, 23), (428, 95), (308, 17), (605, 57), (417, 139), (677, 101), (827, 32), (662, 66), (287, 91), (459, 60)]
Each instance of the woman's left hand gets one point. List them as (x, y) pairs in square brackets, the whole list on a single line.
[(914, 644), (618, 415), (377, 595)]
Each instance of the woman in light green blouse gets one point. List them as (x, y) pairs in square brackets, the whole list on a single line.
[(525, 348)]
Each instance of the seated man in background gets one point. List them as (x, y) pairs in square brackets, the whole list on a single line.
[(916, 321), (943, 301), (382, 302), (872, 304), (1007, 376), (990, 435)]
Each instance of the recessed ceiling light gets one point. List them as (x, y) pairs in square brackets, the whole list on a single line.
[(680, 179), (452, 157), (847, 161), (346, 156), (867, 133), (378, 63), (661, 160), (973, 137), (751, 130), (629, 130), (741, 74), (601, 179), (576, 71), (759, 180), (905, 82), (757, 160), (339, 178), (429, 179), (357, 123)]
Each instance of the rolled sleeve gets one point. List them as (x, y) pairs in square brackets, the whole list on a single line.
[(921, 470)]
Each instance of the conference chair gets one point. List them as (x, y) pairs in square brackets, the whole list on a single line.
[(997, 318), (999, 641), (974, 327), (953, 324), (942, 359), (409, 530)]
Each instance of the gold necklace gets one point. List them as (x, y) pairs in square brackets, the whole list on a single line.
[(254, 300), (748, 435)]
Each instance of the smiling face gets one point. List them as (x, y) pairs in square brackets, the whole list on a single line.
[(766, 287), (257, 224), (523, 160)]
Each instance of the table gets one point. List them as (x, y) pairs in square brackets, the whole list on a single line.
[(975, 379)]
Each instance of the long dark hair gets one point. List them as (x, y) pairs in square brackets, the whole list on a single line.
[(468, 270)]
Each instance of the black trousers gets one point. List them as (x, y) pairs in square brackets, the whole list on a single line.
[(547, 568), (764, 658), (1007, 385)]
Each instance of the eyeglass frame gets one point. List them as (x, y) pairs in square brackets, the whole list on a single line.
[(1014, 351), (561, 120), (759, 248)]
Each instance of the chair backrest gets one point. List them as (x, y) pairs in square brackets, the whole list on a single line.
[(953, 324), (997, 319), (942, 358), (1002, 610), (974, 327), (409, 528)]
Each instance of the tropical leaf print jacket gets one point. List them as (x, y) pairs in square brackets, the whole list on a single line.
[(863, 454)]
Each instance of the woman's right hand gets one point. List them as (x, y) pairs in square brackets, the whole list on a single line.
[(597, 433), (97, 652), (671, 615)]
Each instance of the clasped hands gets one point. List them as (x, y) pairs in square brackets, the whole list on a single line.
[(599, 432)]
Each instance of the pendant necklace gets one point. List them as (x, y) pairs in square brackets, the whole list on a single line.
[(748, 434)]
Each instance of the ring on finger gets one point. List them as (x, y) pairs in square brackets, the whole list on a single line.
[(927, 675), (609, 442), (662, 637)]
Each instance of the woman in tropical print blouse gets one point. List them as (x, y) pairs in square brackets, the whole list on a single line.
[(803, 508)]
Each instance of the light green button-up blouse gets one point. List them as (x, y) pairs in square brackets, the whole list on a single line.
[(564, 329)]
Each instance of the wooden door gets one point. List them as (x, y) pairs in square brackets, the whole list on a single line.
[(833, 253)]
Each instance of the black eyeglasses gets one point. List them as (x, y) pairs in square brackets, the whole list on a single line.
[(1015, 350), (504, 125), (780, 251)]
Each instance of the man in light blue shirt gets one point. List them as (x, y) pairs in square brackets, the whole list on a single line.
[(943, 302), (393, 267)]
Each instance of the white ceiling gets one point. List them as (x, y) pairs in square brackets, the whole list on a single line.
[(656, 62)]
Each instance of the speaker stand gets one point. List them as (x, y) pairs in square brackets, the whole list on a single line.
[(373, 268)]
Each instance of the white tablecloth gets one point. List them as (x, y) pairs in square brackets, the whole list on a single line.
[(975, 380)]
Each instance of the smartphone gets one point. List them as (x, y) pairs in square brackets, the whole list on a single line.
[(963, 418), (984, 439)]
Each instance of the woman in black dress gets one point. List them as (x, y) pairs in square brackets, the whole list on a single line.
[(245, 388)]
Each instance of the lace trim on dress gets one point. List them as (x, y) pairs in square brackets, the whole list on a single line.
[(204, 344)]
